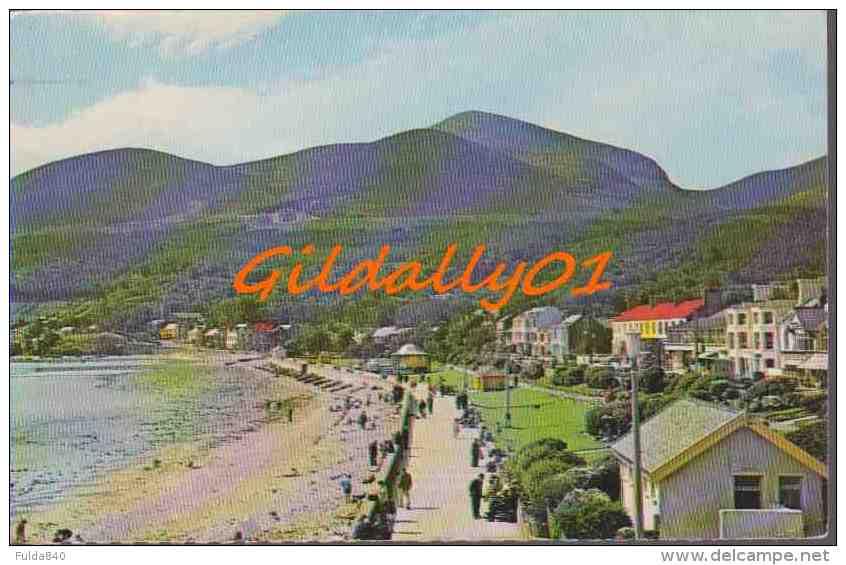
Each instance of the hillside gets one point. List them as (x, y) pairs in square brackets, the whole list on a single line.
[(122, 232)]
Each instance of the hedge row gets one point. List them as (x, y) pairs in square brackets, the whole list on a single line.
[(390, 476)]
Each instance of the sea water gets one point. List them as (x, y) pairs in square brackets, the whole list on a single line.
[(73, 420)]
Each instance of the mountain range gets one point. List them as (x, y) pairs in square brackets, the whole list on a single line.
[(130, 232)]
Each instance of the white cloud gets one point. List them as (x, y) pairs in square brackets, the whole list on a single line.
[(690, 98), (187, 32)]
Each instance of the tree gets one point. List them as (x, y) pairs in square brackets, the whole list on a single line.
[(317, 340), (228, 313), (813, 438), (343, 338), (651, 373), (590, 514)]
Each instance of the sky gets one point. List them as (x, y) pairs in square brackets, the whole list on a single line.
[(711, 96)]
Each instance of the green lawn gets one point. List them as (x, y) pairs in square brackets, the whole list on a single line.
[(536, 415), (450, 377)]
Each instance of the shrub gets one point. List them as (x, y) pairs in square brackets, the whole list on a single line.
[(813, 438), (652, 379), (816, 402), (717, 387), (599, 377), (551, 491), (568, 376), (532, 371), (531, 468), (537, 450), (607, 476), (610, 419), (626, 533), (603, 475), (775, 386), (540, 487), (614, 418), (590, 514)]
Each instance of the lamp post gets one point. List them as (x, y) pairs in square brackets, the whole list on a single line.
[(507, 401), (638, 496)]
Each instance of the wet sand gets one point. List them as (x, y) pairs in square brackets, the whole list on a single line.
[(270, 481)]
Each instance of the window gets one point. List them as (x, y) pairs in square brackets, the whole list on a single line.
[(769, 340), (790, 492), (747, 492), (754, 317), (731, 341), (741, 319), (768, 317), (756, 341), (731, 319), (741, 340), (769, 363)]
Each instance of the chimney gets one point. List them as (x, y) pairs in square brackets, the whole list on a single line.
[(809, 289)]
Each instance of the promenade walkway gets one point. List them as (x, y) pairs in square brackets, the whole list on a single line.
[(441, 472)]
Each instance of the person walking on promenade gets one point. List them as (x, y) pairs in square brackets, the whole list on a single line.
[(422, 408), (290, 412), (405, 484), (20, 532), (456, 428), (373, 449), (475, 453), (476, 487), (362, 420), (346, 488), (430, 402)]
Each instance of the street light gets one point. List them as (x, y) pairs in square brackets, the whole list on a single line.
[(638, 496), (507, 401)]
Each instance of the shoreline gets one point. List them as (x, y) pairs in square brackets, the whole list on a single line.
[(276, 481)]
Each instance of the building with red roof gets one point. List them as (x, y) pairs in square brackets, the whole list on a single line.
[(650, 322)]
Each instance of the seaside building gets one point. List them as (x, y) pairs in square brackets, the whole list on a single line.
[(503, 332), (169, 331), (214, 339), (751, 330), (647, 322), (267, 336), (390, 335), (489, 380), (411, 358), (561, 336), (700, 342), (803, 344), (712, 473), (531, 330)]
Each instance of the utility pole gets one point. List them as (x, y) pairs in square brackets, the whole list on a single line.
[(638, 495)]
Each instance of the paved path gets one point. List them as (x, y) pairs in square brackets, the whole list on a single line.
[(440, 503)]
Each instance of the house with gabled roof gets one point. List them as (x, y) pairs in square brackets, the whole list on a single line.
[(528, 330), (708, 472), (803, 343)]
